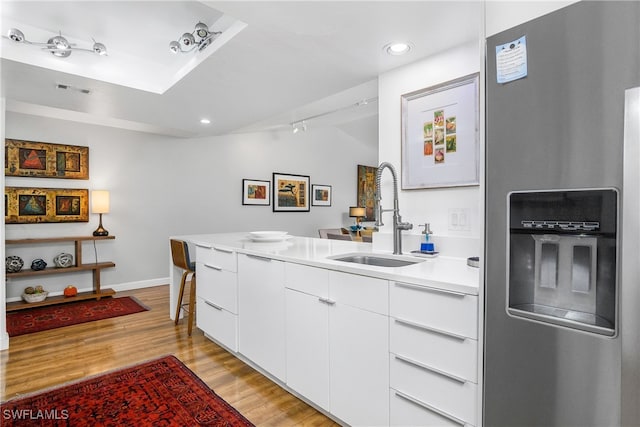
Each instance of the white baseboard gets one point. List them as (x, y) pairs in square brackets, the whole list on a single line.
[(139, 285)]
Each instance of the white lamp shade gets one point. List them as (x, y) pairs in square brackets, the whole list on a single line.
[(356, 211), (100, 201)]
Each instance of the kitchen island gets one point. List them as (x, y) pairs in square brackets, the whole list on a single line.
[(367, 345)]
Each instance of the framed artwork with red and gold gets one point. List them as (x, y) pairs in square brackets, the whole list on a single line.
[(45, 160), (25, 205)]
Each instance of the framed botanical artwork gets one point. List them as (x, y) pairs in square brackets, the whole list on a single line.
[(45, 160), (256, 192), (24, 205), (320, 195), (290, 192), (440, 135), (367, 190)]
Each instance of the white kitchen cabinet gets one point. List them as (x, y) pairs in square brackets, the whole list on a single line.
[(434, 353), (359, 349), (217, 295), (337, 342), (407, 410), (261, 313), (443, 310), (307, 332), (308, 347), (218, 323)]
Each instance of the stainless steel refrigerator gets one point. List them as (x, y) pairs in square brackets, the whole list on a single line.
[(562, 285)]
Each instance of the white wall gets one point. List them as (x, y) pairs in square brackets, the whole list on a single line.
[(429, 205), (162, 186)]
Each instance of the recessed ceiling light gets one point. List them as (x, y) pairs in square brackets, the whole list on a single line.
[(205, 121), (398, 48)]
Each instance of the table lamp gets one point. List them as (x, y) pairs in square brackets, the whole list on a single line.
[(357, 213), (100, 205)]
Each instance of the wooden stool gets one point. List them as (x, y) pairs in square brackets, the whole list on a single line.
[(180, 255)]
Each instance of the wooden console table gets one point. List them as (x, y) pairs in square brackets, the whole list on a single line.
[(78, 266)]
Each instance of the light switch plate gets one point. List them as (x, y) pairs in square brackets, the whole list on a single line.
[(459, 219)]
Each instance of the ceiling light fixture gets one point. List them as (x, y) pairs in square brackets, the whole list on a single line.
[(299, 126), (302, 124), (398, 48), (205, 121), (187, 42), (57, 45), (68, 87)]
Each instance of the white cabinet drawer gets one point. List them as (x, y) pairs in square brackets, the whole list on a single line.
[(453, 398), (363, 292), (439, 309), (218, 323), (217, 286), (442, 351), (310, 280), (224, 259), (408, 411)]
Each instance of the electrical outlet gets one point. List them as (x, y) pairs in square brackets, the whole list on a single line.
[(459, 219)]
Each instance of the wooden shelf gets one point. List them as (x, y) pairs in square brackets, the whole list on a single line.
[(59, 299), (62, 270), (56, 240), (79, 266)]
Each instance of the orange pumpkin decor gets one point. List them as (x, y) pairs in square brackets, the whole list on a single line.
[(70, 291)]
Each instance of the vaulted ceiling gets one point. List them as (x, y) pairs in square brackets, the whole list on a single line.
[(275, 62)]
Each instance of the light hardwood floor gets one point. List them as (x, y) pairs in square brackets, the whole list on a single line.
[(50, 358)]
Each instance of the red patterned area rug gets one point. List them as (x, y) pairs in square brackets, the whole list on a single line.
[(162, 392), (56, 316)]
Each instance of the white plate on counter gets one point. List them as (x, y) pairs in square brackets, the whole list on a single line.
[(264, 236), (267, 234)]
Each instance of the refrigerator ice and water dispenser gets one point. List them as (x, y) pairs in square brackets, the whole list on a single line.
[(562, 258)]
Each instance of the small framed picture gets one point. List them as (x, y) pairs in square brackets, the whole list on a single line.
[(290, 192), (256, 192), (320, 195)]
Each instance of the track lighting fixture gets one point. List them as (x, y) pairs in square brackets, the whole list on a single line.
[(188, 42), (57, 45), (299, 126)]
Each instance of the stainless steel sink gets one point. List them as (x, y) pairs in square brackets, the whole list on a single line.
[(376, 260)]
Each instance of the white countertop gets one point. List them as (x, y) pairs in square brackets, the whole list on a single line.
[(440, 272)]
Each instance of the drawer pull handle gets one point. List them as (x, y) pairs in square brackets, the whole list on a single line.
[(430, 369), (430, 408), (428, 289), (210, 304), (226, 251), (202, 245), (261, 258), (429, 329), (215, 267), (326, 301)]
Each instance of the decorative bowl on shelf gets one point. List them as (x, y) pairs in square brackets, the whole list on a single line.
[(63, 260), (41, 296), (38, 264), (13, 264)]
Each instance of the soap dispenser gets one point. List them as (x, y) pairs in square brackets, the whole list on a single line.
[(426, 245)]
